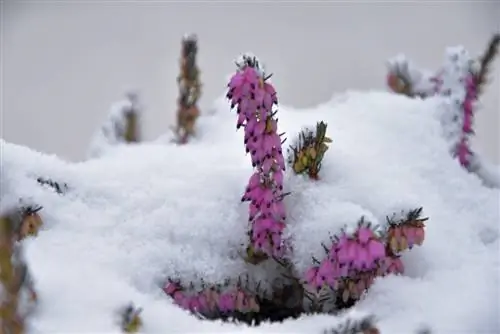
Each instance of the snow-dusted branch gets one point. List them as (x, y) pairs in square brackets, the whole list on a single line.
[(458, 84)]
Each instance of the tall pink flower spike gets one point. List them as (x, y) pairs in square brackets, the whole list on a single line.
[(254, 98)]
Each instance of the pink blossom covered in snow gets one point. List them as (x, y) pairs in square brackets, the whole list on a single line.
[(348, 256), (211, 300), (354, 260), (254, 99), (456, 83)]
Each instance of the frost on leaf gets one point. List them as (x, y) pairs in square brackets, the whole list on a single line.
[(306, 155)]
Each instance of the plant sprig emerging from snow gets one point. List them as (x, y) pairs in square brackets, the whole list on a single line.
[(306, 154), (354, 260)]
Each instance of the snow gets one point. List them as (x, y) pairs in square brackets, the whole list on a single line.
[(143, 212)]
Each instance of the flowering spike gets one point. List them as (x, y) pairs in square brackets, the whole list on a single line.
[(189, 90), (254, 98)]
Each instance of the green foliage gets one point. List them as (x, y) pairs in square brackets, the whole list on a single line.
[(307, 155), (130, 319)]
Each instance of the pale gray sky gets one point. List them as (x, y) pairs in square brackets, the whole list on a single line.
[(65, 62)]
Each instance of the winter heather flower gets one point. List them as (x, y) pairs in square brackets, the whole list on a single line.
[(254, 99), (354, 260), (211, 300), (459, 82)]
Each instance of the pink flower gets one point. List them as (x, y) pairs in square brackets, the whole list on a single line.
[(254, 99)]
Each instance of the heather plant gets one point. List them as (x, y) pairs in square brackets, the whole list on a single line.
[(131, 129), (189, 89), (130, 318), (121, 127), (354, 259), (214, 301), (17, 294), (458, 83), (306, 155), (31, 222), (274, 288), (254, 98), (404, 77)]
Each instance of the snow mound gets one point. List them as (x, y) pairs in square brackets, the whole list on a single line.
[(144, 212)]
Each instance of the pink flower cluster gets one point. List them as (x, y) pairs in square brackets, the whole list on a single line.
[(254, 99), (348, 256), (354, 261), (463, 150), (211, 300)]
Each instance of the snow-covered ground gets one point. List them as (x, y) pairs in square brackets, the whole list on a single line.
[(146, 211)]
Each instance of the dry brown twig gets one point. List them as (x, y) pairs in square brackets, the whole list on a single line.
[(485, 62)]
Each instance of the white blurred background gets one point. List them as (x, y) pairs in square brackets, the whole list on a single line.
[(64, 63)]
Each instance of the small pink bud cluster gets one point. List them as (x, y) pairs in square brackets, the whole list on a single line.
[(211, 300), (463, 150), (403, 236), (254, 99), (354, 261)]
